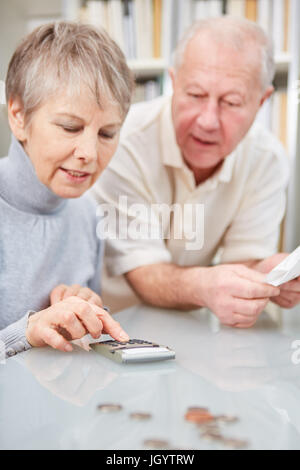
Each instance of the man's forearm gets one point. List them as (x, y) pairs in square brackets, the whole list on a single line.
[(168, 285)]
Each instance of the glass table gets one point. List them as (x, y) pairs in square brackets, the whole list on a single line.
[(49, 399)]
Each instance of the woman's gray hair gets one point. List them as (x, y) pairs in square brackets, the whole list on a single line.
[(65, 55), (239, 33)]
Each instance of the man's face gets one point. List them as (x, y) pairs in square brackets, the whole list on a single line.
[(217, 93)]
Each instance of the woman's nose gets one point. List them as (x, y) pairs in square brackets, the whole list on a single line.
[(86, 149)]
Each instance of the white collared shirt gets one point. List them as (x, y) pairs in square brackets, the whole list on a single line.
[(244, 200)]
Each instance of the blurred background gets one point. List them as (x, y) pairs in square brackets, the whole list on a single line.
[(148, 30)]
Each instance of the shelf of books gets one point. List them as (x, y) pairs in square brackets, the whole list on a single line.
[(148, 30)]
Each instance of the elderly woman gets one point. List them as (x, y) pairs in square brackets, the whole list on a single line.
[(68, 90)]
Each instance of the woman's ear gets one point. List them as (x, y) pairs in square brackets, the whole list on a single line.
[(16, 118)]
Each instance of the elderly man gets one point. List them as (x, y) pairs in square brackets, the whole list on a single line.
[(198, 148)]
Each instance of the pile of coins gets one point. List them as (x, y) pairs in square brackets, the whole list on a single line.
[(210, 429), (137, 416), (210, 425), (112, 407)]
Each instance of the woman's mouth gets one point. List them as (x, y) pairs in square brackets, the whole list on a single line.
[(75, 176)]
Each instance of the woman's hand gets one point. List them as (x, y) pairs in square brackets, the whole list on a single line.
[(63, 292), (71, 319)]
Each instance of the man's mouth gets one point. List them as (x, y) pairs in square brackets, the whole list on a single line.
[(204, 141)]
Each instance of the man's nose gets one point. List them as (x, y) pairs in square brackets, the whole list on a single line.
[(86, 149), (208, 117)]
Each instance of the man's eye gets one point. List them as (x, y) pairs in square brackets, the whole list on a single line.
[(106, 135), (195, 95), (231, 104)]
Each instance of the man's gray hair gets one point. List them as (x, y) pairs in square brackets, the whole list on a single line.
[(240, 33), (65, 56)]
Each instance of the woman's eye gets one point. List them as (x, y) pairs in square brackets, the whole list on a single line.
[(71, 129)]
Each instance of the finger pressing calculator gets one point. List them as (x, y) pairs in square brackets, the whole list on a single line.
[(133, 351)]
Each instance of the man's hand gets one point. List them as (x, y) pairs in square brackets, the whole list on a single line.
[(62, 292), (290, 291), (235, 294), (70, 319)]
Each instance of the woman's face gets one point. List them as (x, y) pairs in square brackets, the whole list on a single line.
[(70, 141)]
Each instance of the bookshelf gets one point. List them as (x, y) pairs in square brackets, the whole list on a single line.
[(158, 25), (148, 30)]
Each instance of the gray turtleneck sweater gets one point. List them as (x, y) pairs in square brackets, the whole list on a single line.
[(44, 241)]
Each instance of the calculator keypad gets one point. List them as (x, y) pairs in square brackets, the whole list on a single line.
[(132, 343)]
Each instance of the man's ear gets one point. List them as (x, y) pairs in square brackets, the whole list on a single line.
[(16, 118), (266, 95), (172, 76)]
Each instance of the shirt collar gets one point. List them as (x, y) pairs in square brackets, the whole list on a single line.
[(171, 154)]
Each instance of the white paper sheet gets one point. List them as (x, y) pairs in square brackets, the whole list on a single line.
[(285, 271)]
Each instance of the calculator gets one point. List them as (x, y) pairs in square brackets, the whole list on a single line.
[(133, 351)]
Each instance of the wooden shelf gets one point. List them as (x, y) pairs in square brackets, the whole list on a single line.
[(155, 67), (147, 67)]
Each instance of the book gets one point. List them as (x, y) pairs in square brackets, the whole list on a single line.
[(144, 29), (174, 24), (215, 8), (166, 32), (185, 16), (70, 9), (279, 115), (286, 25), (146, 90), (236, 8), (278, 25), (264, 15), (201, 9), (283, 118), (251, 10), (115, 22), (157, 25), (129, 29), (96, 13)]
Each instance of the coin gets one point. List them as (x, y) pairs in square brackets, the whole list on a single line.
[(140, 416), (156, 443), (109, 407), (209, 426), (234, 443), (198, 417), (212, 436), (198, 409), (227, 419)]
